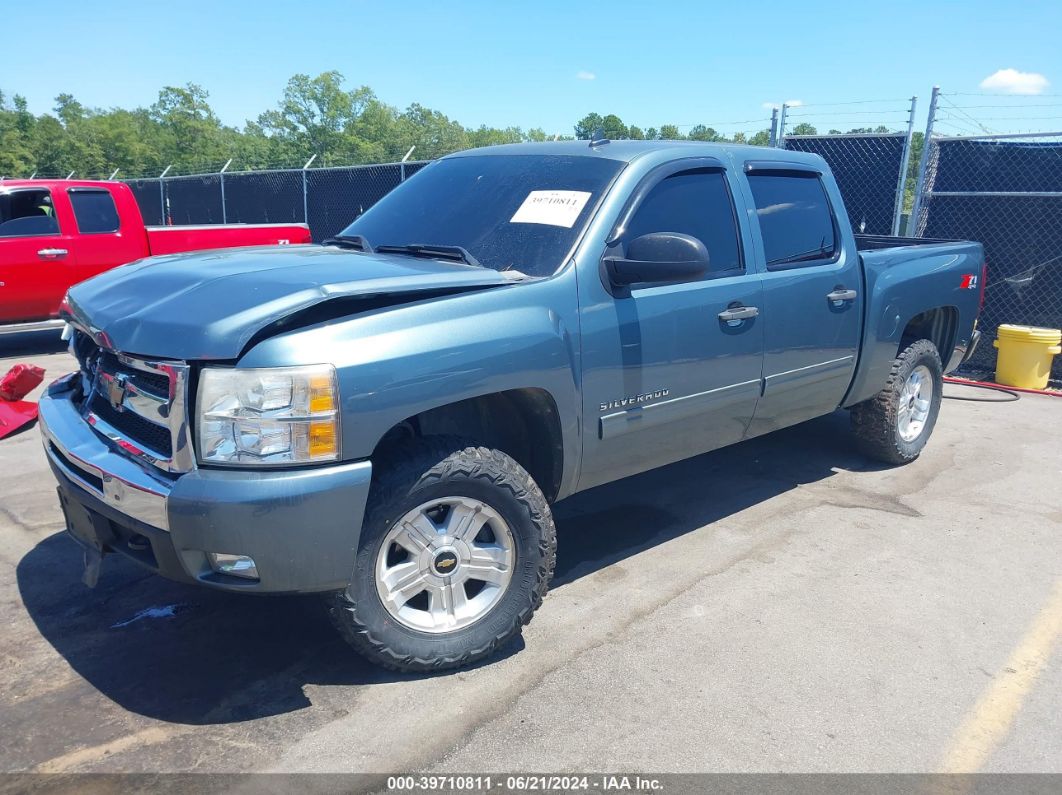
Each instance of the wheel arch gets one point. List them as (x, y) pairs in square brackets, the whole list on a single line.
[(938, 325), (524, 423)]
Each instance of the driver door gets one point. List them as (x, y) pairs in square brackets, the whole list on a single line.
[(664, 376)]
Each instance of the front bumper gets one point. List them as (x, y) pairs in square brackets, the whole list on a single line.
[(301, 526)]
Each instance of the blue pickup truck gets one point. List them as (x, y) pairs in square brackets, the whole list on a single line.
[(387, 418)]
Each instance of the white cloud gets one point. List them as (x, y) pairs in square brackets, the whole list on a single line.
[(1011, 81), (793, 103), (585, 75)]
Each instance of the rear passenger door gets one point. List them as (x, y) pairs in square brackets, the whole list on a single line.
[(812, 299), (102, 241)]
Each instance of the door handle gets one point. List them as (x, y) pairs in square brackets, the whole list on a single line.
[(51, 253), (840, 295), (735, 315)]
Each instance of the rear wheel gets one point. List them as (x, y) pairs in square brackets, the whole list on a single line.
[(456, 553), (895, 425)]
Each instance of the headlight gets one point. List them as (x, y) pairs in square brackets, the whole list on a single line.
[(276, 415)]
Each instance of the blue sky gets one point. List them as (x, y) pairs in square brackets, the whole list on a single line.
[(546, 64)]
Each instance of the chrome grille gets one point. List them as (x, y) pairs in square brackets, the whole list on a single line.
[(138, 404)]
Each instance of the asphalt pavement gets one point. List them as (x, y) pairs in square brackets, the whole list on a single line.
[(781, 605)]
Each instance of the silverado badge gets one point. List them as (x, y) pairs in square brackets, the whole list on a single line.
[(635, 400)]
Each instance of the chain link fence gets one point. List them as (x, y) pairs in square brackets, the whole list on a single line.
[(870, 161), (327, 199), (1004, 191), (869, 169)]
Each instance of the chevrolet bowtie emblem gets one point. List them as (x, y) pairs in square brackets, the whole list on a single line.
[(445, 563), (114, 391)]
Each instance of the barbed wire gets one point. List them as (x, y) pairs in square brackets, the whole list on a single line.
[(990, 94), (765, 121), (842, 113)]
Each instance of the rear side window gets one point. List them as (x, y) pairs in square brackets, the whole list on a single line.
[(95, 211), (27, 213), (795, 218), (695, 203)]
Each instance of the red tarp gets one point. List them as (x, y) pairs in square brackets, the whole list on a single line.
[(16, 413)]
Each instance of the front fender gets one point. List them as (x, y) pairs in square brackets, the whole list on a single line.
[(397, 362)]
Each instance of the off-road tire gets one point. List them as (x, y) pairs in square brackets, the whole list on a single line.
[(874, 421), (411, 474)]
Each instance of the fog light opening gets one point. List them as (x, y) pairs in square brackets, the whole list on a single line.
[(233, 565)]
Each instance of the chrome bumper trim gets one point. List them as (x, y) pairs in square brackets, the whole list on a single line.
[(80, 454), (38, 325), (122, 391)]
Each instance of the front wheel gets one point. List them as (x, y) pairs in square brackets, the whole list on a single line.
[(895, 425), (456, 553)]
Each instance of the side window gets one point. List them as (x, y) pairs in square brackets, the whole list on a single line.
[(695, 203), (795, 218), (27, 213), (94, 210)]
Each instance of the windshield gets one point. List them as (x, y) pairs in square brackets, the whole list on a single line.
[(510, 212)]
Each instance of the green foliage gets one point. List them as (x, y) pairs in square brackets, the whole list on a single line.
[(701, 133), (316, 116), (611, 125)]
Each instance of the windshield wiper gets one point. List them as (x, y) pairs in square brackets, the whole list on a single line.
[(356, 242), (431, 251)]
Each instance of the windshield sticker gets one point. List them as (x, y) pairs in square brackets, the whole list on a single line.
[(552, 207)]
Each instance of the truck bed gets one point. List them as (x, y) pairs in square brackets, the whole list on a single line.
[(179, 239), (875, 242)]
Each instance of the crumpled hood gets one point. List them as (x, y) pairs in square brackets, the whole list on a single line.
[(208, 305)]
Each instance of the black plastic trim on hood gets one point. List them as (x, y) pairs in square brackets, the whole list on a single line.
[(348, 307)]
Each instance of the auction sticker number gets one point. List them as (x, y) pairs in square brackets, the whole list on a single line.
[(551, 207)]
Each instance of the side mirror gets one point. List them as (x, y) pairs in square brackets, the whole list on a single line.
[(659, 257)]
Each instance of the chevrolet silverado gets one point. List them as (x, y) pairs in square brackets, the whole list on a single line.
[(388, 417)]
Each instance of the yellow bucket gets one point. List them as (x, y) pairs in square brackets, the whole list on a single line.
[(1025, 354)]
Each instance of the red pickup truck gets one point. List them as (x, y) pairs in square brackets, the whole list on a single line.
[(56, 233)]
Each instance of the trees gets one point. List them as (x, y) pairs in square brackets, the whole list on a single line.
[(15, 152), (588, 125), (316, 115), (611, 125), (187, 130), (701, 133), (614, 128)]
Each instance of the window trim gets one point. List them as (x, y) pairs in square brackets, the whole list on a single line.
[(765, 168), (645, 186), (73, 209), (58, 229), (780, 167)]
